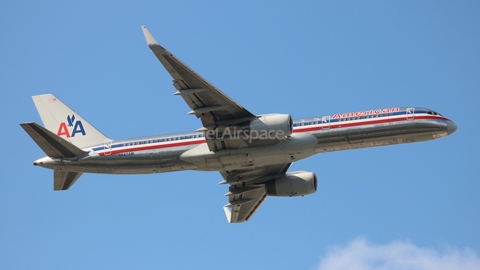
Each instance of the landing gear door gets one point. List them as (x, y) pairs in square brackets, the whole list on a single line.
[(326, 122), (410, 113)]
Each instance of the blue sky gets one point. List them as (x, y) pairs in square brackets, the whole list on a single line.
[(307, 58)]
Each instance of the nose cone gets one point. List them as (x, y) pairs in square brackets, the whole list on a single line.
[(451, 127)]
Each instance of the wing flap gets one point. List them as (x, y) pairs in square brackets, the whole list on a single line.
[(247, 190), (242, 206), (205, 100), (186, 79)]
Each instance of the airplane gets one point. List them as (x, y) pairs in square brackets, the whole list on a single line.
[(252, 152)]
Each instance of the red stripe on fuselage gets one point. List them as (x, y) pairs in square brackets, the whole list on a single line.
[(336, 125), (380, 120), (151, 147)]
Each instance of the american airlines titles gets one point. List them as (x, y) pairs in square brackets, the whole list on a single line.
[(370, 112)]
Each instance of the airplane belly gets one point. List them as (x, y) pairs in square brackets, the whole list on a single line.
[(297, 147), (137, 163)]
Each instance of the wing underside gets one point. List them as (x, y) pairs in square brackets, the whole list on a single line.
[(247, 190), (212, 106), (219, 113)]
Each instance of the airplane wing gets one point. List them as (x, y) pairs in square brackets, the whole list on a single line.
[(247, 190), (217, 111), (205, 100)]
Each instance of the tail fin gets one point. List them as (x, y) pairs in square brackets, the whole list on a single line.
[(65, 123), (55, 147)]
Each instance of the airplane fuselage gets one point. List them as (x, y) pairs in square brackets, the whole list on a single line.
[(253, 153), (189, 151)]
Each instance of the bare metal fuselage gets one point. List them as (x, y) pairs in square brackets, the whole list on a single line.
[(188, 151), (253, 153)]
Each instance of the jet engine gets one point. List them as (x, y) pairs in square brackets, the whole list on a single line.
[(293, 184), (271, 126)]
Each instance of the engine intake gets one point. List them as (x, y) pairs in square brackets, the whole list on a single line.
[(293, 184)]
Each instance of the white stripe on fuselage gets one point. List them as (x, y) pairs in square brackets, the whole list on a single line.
[(187, 139)]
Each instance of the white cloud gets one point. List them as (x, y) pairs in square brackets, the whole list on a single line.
[(397, 255)]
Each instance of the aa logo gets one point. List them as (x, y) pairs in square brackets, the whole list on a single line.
[(71, 127)]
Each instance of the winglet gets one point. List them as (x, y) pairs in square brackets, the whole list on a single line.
[(149, 38)]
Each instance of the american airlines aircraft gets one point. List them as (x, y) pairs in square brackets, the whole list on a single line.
[(251, 152)]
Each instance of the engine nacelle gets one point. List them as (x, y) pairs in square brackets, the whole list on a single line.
[(271, 126), (293, 184)]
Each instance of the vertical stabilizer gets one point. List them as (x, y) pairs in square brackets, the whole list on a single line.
[(65, 123)]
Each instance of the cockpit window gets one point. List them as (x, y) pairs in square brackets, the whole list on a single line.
[(433, 113)]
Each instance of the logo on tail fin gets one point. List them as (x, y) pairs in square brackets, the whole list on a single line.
[(71, 127)]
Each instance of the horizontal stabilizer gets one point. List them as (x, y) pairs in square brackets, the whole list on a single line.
[(51, 144), (64, 180)]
